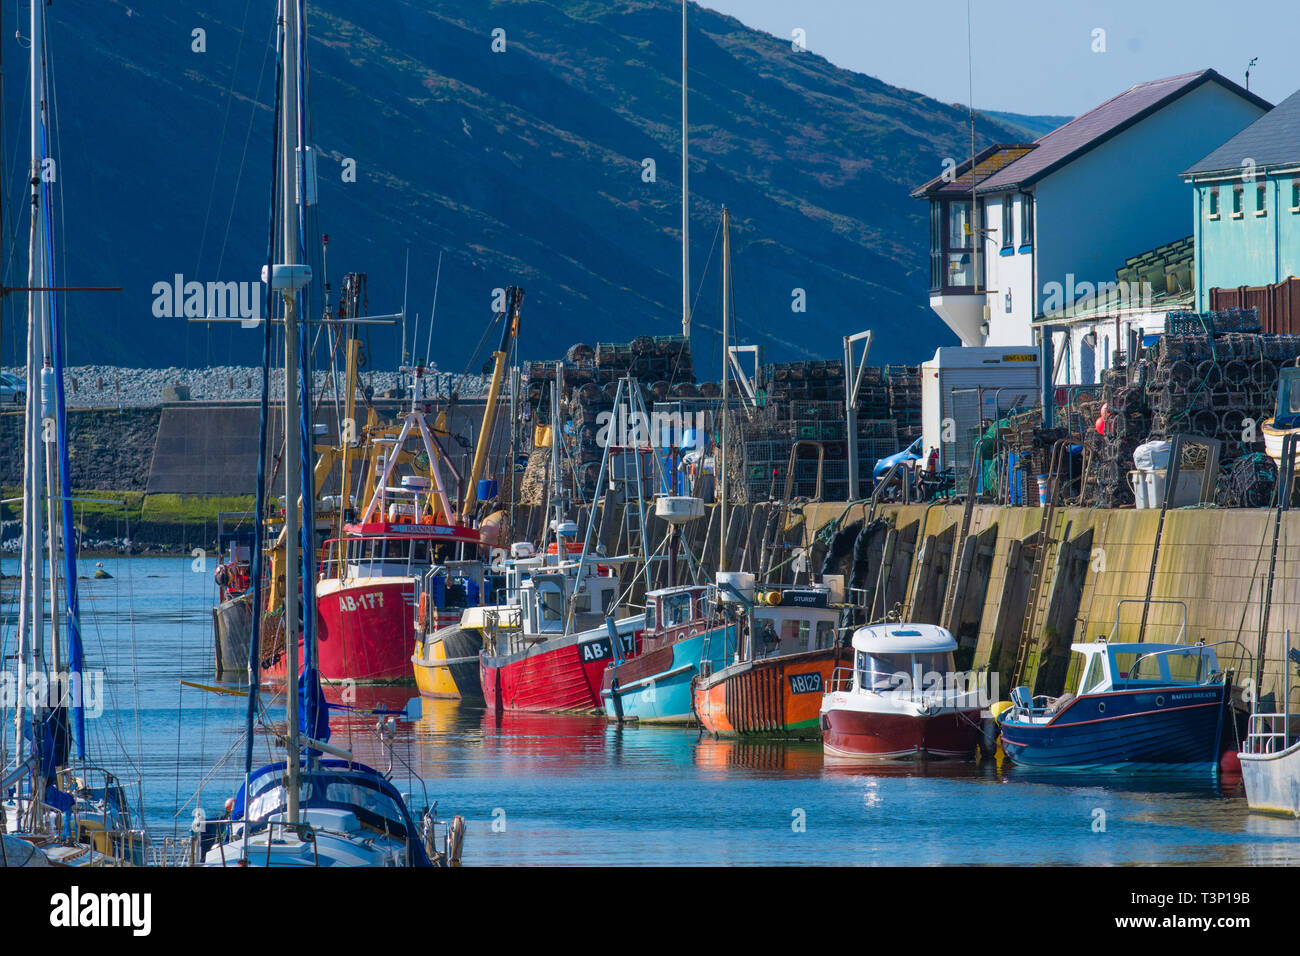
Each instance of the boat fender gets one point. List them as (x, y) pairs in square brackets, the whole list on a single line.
[(999, 708), (221, 576), (456, 839)]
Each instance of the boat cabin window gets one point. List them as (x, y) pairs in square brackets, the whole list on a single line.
[(1191, 665), (875, 673), (1288, 399), (376, 557), (1194, 665), (371, 806), (606, 598), (1096, 675), (551, 602), (651, 608), (794, 636), (780, 634), (676, 609), (889, 671)]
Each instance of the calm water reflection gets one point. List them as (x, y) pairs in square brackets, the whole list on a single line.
[(546, 790)]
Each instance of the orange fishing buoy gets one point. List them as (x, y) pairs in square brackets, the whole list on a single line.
[(1101, 419)]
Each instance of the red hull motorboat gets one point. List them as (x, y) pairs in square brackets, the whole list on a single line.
[(897, 736), (902, 698)]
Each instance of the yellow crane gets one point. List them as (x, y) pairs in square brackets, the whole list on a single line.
[(514, 297)]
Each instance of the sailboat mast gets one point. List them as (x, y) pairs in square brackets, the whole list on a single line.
[(39, 239), (720, 480), (31, 628), (686, 208), (289, 215)]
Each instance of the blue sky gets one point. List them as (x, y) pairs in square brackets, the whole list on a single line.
[(1035, 56)]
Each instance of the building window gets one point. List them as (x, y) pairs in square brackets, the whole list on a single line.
[(1261, 200), (1238, 202), (952, 246), (1008, 223), (936, 246), (1026, 221), (1295, 194), (1214, 202)]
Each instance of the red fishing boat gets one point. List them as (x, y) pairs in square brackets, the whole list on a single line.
[(365, 598), (556, 658), (366, 589)]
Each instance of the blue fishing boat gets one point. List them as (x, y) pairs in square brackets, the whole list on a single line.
[(684, 626), (1136, 705)]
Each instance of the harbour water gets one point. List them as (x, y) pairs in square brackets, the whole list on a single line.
[(555, 790)]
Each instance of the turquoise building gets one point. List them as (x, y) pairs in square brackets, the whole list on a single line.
[(1246, 205)]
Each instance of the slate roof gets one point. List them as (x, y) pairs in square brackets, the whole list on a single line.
[(1067, 143), (1272, 140), (988, 162)]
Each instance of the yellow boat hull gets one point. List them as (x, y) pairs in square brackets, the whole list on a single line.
[(433, 679)]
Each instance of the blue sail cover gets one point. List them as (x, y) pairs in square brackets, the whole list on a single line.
[(313, 708)]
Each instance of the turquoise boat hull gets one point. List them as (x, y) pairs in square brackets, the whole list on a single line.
[(656, 686)]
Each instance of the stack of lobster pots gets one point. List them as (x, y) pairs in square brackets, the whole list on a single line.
[(905, 401), (1109, 453), (1212, 375)]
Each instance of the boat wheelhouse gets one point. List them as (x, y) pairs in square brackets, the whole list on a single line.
[(446, 658), (366, 600), (902, 698), (684, 627), (788, 650)]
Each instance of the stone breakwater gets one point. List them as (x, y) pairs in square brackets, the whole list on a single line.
[(107, 386)]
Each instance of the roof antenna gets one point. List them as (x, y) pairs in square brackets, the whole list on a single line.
[(1253, 61), (972, 221)]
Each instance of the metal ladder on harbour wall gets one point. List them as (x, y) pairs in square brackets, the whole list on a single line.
[(1052, 531), (1282, 494), (959, 542)]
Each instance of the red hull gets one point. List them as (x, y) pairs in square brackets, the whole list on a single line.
[(551, 676), (366, 631), (868, 736)]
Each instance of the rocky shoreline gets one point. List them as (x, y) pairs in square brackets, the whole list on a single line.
[(109, 386)]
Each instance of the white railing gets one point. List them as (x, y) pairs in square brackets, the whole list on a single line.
[(1262, 739)]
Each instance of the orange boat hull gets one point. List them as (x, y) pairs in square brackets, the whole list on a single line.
[(770, 697)]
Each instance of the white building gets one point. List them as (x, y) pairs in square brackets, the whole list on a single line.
[(1055, 218)]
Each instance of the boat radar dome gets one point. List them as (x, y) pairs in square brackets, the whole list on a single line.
[(678, 510), (566, 529), (287, 278), (522, 549)]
